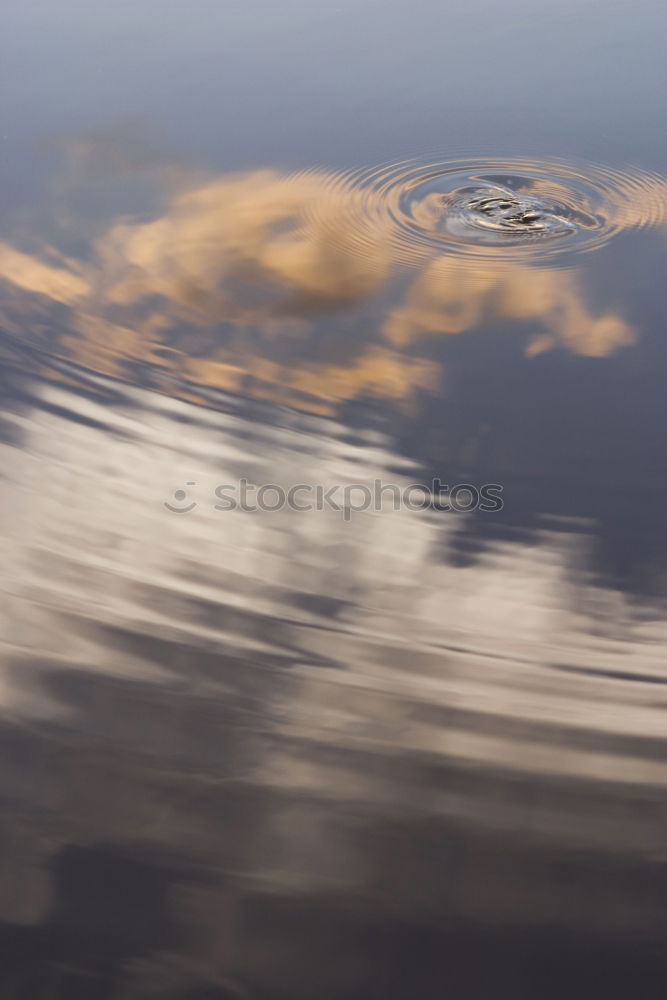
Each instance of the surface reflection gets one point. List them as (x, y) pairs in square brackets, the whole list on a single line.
[(451, 297), (289, 286), (287, 754), (231, 725), (290, 289)]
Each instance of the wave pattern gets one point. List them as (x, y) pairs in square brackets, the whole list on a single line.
[(430, 206)]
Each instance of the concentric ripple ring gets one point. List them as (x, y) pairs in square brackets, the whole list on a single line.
[(509, 209)]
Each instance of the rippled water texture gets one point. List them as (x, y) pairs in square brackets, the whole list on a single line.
[(511, 209), (392, 746)]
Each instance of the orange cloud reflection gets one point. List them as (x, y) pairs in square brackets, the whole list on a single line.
[(451, 296), (207, 289)]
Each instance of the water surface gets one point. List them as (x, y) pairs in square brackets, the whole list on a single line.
[(398, 752)]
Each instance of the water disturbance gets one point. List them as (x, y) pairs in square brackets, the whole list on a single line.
[(510, 209)]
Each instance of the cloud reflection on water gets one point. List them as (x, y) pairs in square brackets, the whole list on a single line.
[(247, 732), (285, 286)]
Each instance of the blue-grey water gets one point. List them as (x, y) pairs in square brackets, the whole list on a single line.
[(334, 536)]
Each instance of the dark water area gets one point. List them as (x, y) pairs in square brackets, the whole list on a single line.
[(334, 535)]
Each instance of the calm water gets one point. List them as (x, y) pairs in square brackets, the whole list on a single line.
[(405, 744)]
